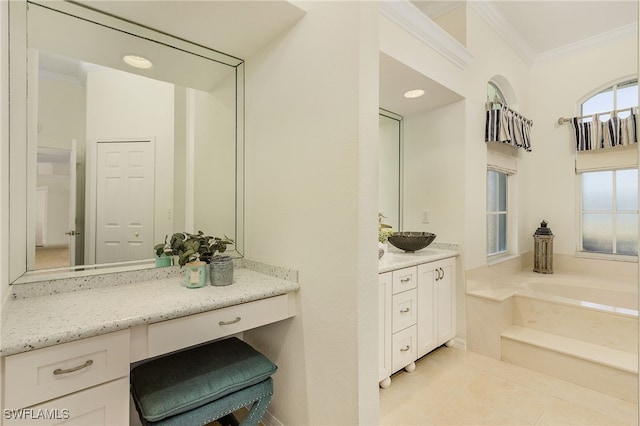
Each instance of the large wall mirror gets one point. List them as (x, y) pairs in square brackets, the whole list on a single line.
[(110, 153), (390, 168)]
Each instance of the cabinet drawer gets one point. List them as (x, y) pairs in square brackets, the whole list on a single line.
[(404, 279), (404, 348), (187, 331), (102, 405), (405, 310), (44, 374)]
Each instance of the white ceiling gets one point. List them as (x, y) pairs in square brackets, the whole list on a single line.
[(537, 30), (534, 28), (397, 78), (237, 28)]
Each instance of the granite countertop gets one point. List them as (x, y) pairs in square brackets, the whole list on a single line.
[(47, 320), (398, 259)]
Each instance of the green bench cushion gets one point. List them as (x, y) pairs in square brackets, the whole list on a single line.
[(185, 380)]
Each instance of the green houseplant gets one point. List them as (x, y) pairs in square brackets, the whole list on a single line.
[(192, 247)]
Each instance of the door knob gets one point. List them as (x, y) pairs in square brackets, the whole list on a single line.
[(72, 233)]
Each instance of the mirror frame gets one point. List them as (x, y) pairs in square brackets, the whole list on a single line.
[(22, 129), (400, 119)]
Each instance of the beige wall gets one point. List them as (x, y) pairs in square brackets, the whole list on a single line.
[(558, 88), (311, 144), (311, 159), (4, 156)]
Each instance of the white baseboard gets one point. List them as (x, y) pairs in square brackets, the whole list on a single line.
[(269, 420), (459, 343)]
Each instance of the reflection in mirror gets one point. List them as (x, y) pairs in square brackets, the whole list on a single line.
[(390, 169), (119, 157)]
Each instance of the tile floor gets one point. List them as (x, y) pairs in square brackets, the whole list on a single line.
[(454, 387), (55, 257)]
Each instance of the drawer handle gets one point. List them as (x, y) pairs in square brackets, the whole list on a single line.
[(405, 310), (406, 348), (59, 371), (405, 280), (230, 322)]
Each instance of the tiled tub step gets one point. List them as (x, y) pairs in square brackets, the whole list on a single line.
[(597, 367), (612, 329)]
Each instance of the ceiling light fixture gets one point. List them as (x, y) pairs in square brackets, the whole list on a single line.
[(414, 93), (137, 61)]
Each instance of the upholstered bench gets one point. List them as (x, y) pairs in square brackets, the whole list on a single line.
[(198, 385)]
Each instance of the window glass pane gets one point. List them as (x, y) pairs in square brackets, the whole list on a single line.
[(627, 96), (502, 235), (492, 191), (492, 234), (601, 102), (627, 190), (493, 92), (502, 192), (627, 234), (597, 232), (496, 233), (496, 191), (597, 191)]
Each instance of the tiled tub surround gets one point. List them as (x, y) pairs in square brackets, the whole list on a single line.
[(65, 311), (579, 324)]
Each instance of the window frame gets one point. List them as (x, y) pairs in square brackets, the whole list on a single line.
[(506, 251), (614, 212), (580, 252)]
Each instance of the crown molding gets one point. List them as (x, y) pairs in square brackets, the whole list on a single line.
[(511, 37), (504, 29), (436, 9), (406, 15), (599, 40)]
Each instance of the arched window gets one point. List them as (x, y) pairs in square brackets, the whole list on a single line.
[(498, 175), (609, 196), (617, 97), (494, 93)]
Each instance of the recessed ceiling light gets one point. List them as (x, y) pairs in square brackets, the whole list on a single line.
[(137, 61), (414, 93)]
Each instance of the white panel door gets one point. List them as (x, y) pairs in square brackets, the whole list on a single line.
[(124, 201), (446, 300)]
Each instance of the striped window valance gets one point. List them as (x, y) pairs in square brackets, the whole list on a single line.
[(507, 126), (595, 134)]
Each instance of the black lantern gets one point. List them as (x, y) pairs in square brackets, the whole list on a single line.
[(543, 249)]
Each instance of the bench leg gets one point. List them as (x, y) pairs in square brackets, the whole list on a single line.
[(228, 420), (256, 412)]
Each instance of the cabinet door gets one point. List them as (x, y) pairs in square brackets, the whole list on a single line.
[(384, 325), (103, 405), (427, 313), (446, 298)]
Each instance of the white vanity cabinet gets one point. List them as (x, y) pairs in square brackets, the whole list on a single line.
[(80, 382), (436, 304), (416, 314)]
